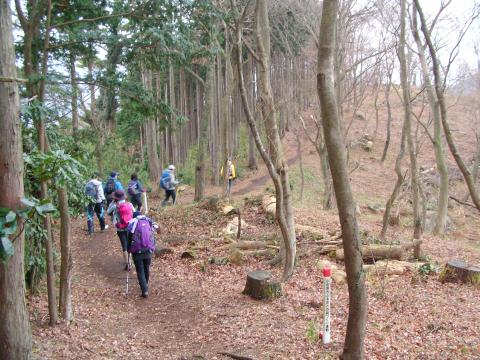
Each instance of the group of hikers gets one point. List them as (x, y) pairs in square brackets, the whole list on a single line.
[(135, 231)]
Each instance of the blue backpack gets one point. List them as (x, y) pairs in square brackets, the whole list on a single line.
[(133, 188), (165, 180), (91, 190)]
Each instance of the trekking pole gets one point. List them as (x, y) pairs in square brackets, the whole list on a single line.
[(146, 203), (128, 273)]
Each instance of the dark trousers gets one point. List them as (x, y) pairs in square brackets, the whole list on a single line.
[(95, 209), (136, 201), (168, 194), (142, 266), (122, 235)]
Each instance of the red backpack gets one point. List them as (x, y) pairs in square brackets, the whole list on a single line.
[(125, 214)]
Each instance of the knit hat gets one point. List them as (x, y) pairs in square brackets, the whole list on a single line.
[(113, 174)]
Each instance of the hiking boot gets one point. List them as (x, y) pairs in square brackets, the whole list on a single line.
[(145, 294), (105, 228)]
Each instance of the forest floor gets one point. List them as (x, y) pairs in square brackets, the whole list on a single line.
[(196, 310)]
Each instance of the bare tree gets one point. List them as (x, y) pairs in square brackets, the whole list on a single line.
[(357, 310), (442, 203), (274, 159), (439, 90)]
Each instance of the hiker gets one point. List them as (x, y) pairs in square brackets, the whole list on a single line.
[(141, 244), (122, 212), (169, 184), (231, 175), (94, 192), (110, 186), (135, 190)]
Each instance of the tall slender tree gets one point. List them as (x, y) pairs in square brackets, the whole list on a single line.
[(15, 337), (357, 294)]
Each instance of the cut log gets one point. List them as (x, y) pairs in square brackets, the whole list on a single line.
[(259, 286), (248, 245), (269, 204), (460, 271), (309, 232), (162, 250), (232, 227), (227, 209), (391, 267), (375, 252)]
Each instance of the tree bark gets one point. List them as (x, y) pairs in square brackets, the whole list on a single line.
[(66, 267), (357, 310), (15, 336)]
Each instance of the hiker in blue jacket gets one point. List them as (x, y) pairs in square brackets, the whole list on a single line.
[(141, 244), (111, 185), (169, 184)]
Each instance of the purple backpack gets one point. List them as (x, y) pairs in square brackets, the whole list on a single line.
[(142, 238)]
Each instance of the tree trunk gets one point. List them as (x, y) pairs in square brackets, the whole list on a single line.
[(200, 167), (252, 158), (398, 185), (73, 79), (439, 90), (274, 160), (389, 116), (151, 135), (357, 310), (282, 188), (65, 301), (15, 336), (302, 173), (407, 108), (442, 203)]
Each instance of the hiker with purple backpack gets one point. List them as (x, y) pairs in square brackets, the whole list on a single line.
[(122, 212), (135, 190), (141, 244)]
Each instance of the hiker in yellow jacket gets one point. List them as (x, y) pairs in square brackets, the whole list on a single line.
[(230, 174)]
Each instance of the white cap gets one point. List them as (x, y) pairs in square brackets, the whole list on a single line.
[(171, 167)]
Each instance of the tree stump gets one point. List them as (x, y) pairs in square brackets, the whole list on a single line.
[(259, 287), (460, 271)]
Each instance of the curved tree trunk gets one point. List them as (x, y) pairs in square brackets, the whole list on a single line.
[(439, 90), (15, 337), (442, 203), (276, 165), (357, 309)]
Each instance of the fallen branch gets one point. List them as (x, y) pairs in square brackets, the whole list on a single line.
[(462, 202)]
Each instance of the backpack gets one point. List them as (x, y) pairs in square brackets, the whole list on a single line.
[(124, 215), (91, 190), (110, 186), (133, 188), (143, 238), (165, 180)]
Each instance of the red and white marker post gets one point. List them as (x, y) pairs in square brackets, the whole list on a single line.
[(327, 281)]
